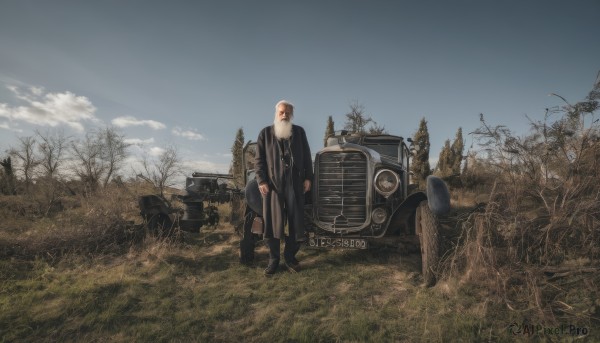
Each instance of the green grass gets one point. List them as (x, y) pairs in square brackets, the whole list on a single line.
[(198, 291)]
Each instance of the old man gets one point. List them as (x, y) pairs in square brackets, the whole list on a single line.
[(284, 173)]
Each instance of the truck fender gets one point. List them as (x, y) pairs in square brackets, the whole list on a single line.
[(400, 219), (438, 200)]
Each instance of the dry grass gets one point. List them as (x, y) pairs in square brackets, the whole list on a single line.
[(533, 245), (79, 276), (72, 282), (101, 289), (87, 226), (196, 290)]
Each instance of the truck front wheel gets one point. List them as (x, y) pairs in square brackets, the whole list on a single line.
[(427, 228)]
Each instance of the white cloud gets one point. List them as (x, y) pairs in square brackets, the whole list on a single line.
[(37, 90), (189, 134), (139, 141), (7, 126), (133, 165), (137, 150), (126, 121), (156, 151), (18, 94), (50, 109)]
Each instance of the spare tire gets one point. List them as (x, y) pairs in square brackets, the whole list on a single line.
[(438, 196), (253, 196)]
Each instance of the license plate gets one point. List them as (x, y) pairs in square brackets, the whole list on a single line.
[(334, 242)]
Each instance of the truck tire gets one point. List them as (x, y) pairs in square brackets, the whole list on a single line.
[(427, 228)]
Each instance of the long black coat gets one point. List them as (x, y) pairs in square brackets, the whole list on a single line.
[(269, 168)]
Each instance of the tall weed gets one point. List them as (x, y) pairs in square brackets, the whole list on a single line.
[(538, 236)]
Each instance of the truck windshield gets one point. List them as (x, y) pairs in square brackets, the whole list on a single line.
[(388, 151)]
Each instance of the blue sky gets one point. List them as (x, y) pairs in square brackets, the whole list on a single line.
[(190, 73)]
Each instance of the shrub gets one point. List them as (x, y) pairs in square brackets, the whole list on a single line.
[(540, 229)]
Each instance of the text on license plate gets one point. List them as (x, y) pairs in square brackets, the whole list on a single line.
[(331, 242)]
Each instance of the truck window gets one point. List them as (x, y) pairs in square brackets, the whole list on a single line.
[(387, 151)]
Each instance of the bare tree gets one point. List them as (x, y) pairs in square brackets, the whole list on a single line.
[(52, 148), (356, 119), (377, 129), (161, 171), (26, 158), (88, 155), (99, 156), (114, 152)]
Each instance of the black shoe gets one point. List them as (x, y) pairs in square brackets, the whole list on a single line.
[(293, 266), (247, 263), (271, 269)]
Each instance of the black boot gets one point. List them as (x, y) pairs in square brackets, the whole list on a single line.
[(271, 268)]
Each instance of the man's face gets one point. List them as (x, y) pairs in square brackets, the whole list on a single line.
[(284, 113)]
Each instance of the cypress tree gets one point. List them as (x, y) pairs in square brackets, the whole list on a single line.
[(444, 165), (237, 169), (329, 130), (420, 164), (457, 148)]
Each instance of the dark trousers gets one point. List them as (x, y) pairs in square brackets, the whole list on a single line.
[(289, 251), (291, 245), (247, 241)]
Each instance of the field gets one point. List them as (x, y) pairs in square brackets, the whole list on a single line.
[(63, 282), (520, 252)]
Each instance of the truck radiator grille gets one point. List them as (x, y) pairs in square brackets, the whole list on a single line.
[(342, 189)]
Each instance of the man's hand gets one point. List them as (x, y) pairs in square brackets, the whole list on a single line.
[(306, 186), (263, 188)]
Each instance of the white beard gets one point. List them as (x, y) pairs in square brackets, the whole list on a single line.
[(283, 129)]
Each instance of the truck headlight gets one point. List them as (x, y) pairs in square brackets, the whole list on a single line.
[(379, 215), (386, 182)]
